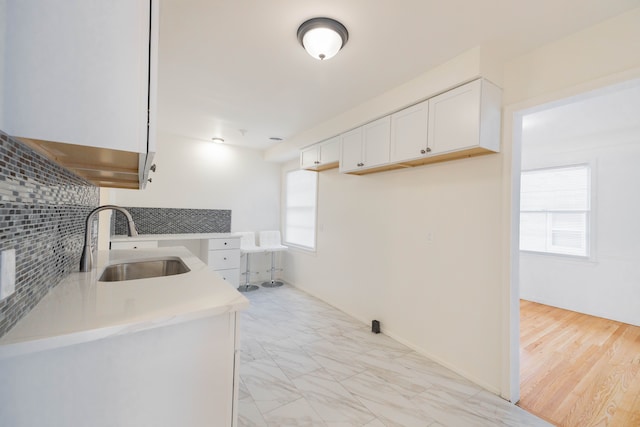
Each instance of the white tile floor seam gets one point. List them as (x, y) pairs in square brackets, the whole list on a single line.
[(305, 363)]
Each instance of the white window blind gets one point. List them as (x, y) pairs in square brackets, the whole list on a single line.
[(555, 207), (300, 211)]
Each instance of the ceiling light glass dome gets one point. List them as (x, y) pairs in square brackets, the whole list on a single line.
[(322, 38)]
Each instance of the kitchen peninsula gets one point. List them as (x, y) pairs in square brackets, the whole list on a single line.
[(155, 351)]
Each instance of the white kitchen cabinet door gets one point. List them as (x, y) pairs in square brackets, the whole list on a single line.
[(224, 259), (309, 157), (351, 150), (366, 147), (329, 152), (465, 118), (321, 156), (223, 243), (230, 275), (409, 133), (222, 254), (376, 142), (83, 73), (79, 72)]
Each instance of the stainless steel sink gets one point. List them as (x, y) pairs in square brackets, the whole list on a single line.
[(159, 267)]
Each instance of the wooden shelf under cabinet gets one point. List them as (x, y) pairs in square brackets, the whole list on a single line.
[(472, 152)]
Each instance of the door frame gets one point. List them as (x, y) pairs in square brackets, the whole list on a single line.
[(512, 149)]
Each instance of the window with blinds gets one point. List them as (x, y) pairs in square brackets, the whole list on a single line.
[(300, 210), (555, 208)]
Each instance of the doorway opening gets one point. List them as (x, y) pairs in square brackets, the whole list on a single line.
[(577, 269)]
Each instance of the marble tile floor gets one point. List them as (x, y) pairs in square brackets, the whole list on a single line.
[(305, 363)]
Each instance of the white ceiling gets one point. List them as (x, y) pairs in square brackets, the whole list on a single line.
[(228, 67)]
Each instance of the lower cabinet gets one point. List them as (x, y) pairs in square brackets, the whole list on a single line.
[(183, 374), (223, 256), (231, 275)]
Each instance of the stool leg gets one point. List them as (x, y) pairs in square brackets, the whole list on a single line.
[(247, 286), (273, 283)]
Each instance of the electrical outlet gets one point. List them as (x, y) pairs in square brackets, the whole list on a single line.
[(7, 273)]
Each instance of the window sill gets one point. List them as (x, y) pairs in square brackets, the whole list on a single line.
[(301, 249), (560, 257)]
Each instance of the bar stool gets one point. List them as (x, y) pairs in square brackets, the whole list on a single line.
[(248, 247), (270, 242)]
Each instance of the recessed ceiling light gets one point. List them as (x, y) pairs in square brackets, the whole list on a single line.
[(322, 38), (275, 138), (218, 140)]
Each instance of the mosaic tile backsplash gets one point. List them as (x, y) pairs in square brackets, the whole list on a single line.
[(42, 212), (173, 221)]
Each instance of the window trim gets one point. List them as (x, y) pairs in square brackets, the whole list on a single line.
[(591, 164), (284, 213)]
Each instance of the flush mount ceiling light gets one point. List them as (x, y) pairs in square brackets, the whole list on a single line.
[(322, 38), (217, 140)]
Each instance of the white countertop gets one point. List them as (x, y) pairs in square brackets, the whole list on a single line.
[(81, 309), (188, 236)]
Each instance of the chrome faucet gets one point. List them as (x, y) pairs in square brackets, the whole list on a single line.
[(86, 260)]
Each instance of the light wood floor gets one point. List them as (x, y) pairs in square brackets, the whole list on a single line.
[(578, 370)]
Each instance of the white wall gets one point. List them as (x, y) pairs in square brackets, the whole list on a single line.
[(575, 63), (203, 175), (375, 260), (451, 297), (608, 284)]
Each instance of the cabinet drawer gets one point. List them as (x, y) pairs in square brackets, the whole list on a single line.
[(224, 259), (135, 245), (229, 243), (231, 275)]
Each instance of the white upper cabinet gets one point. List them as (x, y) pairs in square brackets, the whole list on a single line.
[(330, 152), (309, 157), (376, 140), (465, 119), (82, 72), (366, 147), (409, 133), (321, 156), (351, 150), (461, 122)]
